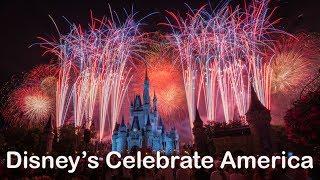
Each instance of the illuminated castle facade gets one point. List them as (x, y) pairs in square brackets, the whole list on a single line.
[(146, 128)]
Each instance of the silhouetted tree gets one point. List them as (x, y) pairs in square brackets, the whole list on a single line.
[(302, 121)]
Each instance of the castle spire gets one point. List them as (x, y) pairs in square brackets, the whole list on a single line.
[(154, 95), (255, 103), (146, 89), (146, 78), (122, 122), (198, 119)]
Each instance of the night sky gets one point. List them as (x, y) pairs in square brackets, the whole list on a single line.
[(23, 21)]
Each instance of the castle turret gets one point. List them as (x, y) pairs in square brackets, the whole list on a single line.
[(123, 127), (160, 126), (258, 117), (155, 102)]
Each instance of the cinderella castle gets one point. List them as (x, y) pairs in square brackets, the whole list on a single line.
[(146, 128)]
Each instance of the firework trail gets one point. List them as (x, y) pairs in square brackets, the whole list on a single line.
[(63, 88), (239, 79), (128, 46), (221, 37), (62, 94), (105, 80), (94, 70), (229, 47), (183, 40), (256, 38), (92, 97), (209, 74), (80, 98)]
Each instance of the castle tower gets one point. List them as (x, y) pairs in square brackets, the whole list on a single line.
[(200, 139), (139, 111), (258, 117), (48, 136), (131, 107), (135, 135)]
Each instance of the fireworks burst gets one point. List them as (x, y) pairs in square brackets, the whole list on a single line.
[(28, 106), (40, 73), (289, 70), (31, 102), (293, 62), (166, 84), (37, 106)]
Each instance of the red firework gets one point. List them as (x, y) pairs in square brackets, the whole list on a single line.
[(28, 106), (41, 72), (165, 82), (295, 59)]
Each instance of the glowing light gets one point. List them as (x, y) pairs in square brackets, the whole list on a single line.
[(37, 106)]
